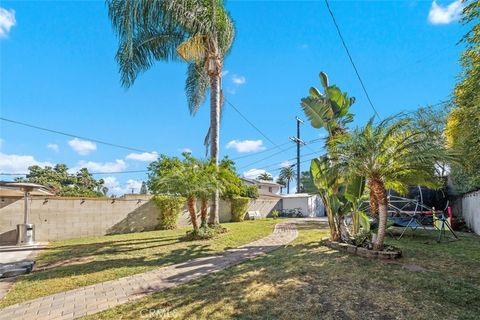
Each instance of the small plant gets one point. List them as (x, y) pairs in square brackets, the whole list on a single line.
[(170, 208), (205, 232), (239, 206), (275, 214)]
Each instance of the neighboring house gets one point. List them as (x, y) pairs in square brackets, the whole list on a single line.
[(311, 205), (264, 187)]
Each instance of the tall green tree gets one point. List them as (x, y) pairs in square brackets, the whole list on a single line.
[(287, 174), (329, 110), (200, 32), (265, 177), (463, 125), (306, 183), (392, 154), (57, 178)]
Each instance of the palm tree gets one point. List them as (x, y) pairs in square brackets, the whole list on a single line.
[(265, 177), (287, 174), (198, 31), (282, 183), (390, 155)]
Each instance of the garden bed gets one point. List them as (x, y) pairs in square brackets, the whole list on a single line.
[(362, 252)]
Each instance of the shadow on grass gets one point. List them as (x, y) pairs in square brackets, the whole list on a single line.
[(309, 281)]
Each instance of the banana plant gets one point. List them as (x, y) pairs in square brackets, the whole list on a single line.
[(354, 194)]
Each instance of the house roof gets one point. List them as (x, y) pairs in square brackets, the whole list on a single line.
[(264, 182), (296, 195)]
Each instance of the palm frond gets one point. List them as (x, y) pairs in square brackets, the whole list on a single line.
[(196, 86)]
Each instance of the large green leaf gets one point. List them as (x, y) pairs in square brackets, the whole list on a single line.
[(355, 188), (316, 111)]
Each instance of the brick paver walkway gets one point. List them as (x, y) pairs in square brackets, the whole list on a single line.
[(95, 298)]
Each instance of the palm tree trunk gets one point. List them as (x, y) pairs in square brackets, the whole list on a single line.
[(380, 194), (288, 186), (373, 200), (214, 72), (204, 212), (191, 204)]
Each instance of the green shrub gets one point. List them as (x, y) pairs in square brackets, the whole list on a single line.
[(170, 208), (275, 214), (239, 206), (204, 233)]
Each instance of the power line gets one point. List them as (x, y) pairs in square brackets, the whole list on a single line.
[(251, 124), (281, 151), (92, 173), (350, 57), (259, 152), (72, 135)]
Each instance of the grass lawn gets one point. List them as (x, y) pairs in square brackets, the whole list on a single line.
[(70, 264), (309, 281)]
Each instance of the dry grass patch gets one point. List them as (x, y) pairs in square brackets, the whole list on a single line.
[(309, 281), (70, 264)]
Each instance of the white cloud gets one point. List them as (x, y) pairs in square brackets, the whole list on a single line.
[(118, 165), (82, 147), (12, 163), (146, 156), (187, 150), (7, 21), (225, 72), (53, 146), (1, 142), (286, 163), (116, 188), (439, 14), (254, 173), (243, 146), (238, 80)]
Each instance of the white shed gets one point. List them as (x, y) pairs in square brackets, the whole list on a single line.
[(311, 205)]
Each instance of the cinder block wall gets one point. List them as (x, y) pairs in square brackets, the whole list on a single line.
[(58, 218), (471, 210)]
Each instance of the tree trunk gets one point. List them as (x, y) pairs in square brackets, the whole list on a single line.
[(191, 204), (204, 212), (214, 72), (373, 201), (380, 195), (288, 186)]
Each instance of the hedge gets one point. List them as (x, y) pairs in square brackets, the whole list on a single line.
[(170, 208), (239, 206)]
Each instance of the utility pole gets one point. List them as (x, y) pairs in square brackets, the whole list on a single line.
[(299, 142)]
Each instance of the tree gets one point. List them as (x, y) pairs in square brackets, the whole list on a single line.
[(306, 183), (143, 189), (329, 110), (265, 177), (200, 32), (57, 178), (287, 174), (189, 178), (390, 155), (463, 129), (282, 183)]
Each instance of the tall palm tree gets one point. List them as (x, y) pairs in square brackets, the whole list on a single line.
[(198, 31), (390, 155), (265, 177), (287, 174)]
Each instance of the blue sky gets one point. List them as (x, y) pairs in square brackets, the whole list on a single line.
[(58, 71)]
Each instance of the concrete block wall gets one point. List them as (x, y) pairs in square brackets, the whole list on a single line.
[(58, 218), (471, 210)]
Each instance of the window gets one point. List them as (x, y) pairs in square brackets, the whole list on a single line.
[(269, 189)]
